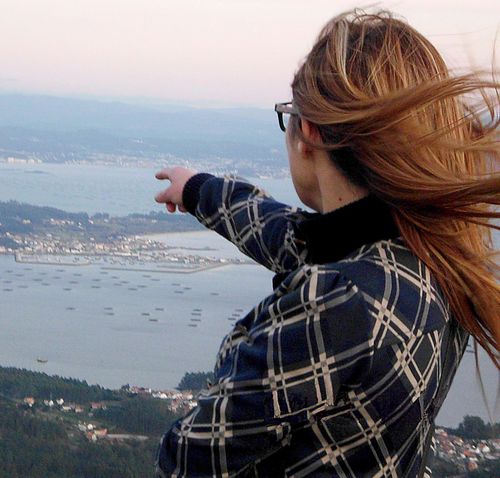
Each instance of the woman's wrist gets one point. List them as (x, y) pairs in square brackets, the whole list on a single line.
[(191, 191)]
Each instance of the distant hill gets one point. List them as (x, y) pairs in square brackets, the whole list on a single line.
[(58, 129)]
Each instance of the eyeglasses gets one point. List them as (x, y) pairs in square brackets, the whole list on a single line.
[(284, 111)]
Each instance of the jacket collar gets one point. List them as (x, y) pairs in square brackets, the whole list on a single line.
[(332, 236)]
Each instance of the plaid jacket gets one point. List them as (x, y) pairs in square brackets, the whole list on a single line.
[(334, 374)]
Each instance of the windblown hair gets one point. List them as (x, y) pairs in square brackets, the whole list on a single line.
[(395, 120)]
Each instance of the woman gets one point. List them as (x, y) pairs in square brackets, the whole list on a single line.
[(342, 370)]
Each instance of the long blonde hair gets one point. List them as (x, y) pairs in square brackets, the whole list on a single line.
[(395, 120)]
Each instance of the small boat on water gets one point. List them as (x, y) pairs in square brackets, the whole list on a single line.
[(153, 320), (41, 360)]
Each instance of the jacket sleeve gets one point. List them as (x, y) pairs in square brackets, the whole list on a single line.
[(271, 376), (259, 226)]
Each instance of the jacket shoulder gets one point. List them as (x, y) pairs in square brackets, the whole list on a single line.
[(401, 295)]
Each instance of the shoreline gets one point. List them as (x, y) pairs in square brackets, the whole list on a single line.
[(175, 233)]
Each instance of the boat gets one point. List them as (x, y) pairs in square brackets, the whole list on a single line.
[(41, 360)]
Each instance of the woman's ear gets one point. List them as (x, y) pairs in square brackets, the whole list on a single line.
[(310, 131), (303, 148)]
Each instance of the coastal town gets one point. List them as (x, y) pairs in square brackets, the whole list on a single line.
[(48, 236)]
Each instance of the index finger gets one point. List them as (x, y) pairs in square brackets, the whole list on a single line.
[(163, 174)]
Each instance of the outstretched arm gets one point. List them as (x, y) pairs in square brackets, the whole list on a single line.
[(261, 227)]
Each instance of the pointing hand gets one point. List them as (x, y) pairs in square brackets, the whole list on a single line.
[(172, 196)]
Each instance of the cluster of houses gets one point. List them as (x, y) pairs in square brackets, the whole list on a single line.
[(65, 407), (91, 432), (467, 454), (179, 401)]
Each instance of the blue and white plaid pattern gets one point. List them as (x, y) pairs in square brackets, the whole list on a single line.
[(331, 375)]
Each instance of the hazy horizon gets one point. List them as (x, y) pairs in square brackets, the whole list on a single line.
[(198, 52)]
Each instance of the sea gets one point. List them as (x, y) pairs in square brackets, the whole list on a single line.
[(117, 327)]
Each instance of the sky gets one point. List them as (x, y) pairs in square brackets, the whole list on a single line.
[(200, 52)]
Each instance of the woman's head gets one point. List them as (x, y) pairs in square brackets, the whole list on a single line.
[(358, 78), (394, 120)]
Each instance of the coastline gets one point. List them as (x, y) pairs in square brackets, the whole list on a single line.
[(175, 233)]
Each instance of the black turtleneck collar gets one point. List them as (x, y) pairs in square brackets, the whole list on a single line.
[(332, 236), (329, 237)]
